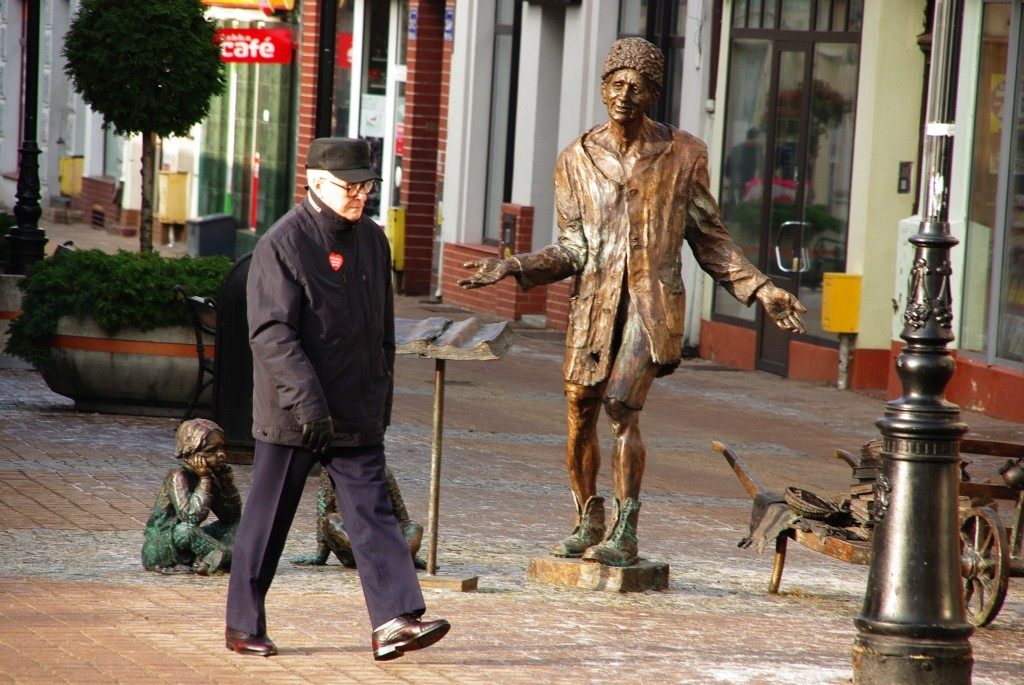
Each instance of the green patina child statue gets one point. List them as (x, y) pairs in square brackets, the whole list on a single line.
[(177, 541), (330, 529)]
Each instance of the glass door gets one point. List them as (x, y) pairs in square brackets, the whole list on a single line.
[(786, 176), (374, 66), (783, 193)]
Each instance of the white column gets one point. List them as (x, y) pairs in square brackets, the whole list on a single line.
[(696, 115), (888, 110), (536, 138), (590, 29), (468, 122)]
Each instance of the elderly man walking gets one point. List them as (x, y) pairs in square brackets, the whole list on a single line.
[(322, 332)]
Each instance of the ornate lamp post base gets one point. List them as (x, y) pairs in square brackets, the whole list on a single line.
[(913, 626), (888, 659)]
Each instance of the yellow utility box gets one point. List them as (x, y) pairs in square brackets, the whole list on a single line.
[(395, 230), (172, 197), (840, 302), (71, 175)]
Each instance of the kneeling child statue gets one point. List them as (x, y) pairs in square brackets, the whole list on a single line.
[(177, 541)]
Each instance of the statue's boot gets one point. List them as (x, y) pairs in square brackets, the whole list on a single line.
[(209, 554), (210, 563), (588, 531), (619, 546)]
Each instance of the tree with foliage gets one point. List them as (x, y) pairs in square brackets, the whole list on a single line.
[(148, 67)]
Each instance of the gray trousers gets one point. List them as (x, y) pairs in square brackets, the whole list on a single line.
[(386, 571)]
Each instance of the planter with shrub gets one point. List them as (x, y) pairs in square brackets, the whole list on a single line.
[(108, 330)]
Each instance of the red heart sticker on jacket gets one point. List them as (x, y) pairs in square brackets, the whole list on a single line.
[(336, 260)]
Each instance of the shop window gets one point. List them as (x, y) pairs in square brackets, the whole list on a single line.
[(788, 149), (662, 22), (799, 15), (343, 61), (992, 322), (245, 167)]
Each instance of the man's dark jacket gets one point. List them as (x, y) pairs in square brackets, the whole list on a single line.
[(321, 327)]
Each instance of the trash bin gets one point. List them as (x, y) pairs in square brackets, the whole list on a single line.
[(212, 235), (232, 383)]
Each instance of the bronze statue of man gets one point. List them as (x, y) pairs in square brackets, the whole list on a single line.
[(628, 193)]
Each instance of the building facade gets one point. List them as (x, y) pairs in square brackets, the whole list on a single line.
[(812, 111)]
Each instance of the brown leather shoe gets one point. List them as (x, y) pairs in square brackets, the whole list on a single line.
[(405, 634), (244, 643)]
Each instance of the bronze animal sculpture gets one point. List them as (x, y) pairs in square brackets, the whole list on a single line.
[(330, 529)]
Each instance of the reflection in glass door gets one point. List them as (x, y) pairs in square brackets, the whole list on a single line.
[(786, 176), (370, 89), (782, 191)]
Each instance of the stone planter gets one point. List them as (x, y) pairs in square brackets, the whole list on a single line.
[(146, 373), (10, 307)]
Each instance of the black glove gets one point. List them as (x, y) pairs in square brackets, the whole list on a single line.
[(317, 435)]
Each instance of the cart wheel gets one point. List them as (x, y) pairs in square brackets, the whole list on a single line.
[(984, 565)]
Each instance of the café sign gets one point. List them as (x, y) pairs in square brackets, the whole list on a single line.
[(255, 46), (267, 6)]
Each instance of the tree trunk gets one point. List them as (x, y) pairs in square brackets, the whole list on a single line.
[(148, 188)]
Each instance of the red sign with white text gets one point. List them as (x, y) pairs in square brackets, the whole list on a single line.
[(344, 53), (255, 46), (286, 5)]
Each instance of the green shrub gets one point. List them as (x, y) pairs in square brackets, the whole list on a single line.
[(123, 290)]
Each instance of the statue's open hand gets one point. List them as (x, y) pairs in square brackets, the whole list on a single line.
[(490, 270), (785, 310)]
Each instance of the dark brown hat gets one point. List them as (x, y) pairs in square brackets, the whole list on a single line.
[(346, 158), (636, 53)]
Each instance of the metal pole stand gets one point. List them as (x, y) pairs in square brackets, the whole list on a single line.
[(440, 339), (913, 627)]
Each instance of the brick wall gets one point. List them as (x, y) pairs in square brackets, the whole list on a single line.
[(447, 48), (97, 203), (423, 98), (309, 45), (504, 298), (729, 345)]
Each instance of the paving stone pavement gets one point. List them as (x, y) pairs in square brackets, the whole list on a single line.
[(76, 488)]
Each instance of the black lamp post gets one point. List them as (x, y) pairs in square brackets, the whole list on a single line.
[(26, 240), (913, 627), (326, 56)]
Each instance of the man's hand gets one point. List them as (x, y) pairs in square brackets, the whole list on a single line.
[(317, 435), (491, 270), (784, 309)]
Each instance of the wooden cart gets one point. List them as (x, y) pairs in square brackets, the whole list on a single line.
[(990, 548)]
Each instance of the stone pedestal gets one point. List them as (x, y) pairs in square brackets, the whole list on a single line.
[(455, 583), (643, 575)]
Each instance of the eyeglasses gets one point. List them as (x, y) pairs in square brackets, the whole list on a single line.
[(355, 189)]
